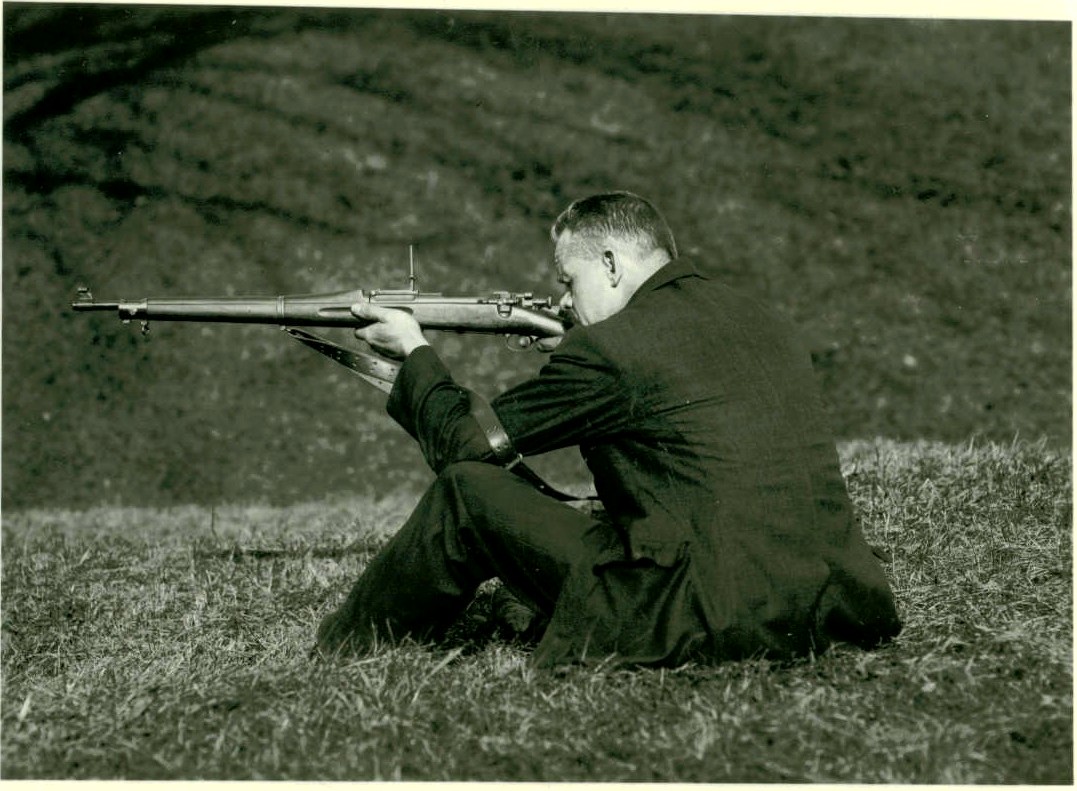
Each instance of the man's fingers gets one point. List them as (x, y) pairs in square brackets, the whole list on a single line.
[(370, 334), (391, 331), (364, 310)]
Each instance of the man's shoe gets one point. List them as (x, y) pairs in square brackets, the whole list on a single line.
[(515, 618)]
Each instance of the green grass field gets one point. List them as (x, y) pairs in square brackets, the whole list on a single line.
[(173, 643)]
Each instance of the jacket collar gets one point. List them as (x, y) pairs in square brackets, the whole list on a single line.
[(674, 270)]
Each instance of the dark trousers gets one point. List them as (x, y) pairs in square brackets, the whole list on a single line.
[(475, 522)]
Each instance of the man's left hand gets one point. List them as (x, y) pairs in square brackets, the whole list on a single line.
[(394, 332)]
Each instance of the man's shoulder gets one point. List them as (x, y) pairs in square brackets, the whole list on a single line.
[(692, 308), (583, 345), (702, 299)]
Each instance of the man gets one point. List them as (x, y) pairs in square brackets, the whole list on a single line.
[(730, 530)]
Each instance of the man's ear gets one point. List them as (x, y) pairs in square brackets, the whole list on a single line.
[(613, 267)]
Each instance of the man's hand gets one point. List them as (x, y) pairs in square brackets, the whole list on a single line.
[(394, 332), (548, 344)]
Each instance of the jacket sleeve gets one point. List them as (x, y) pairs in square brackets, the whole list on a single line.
[(576, 397), (434, 410)]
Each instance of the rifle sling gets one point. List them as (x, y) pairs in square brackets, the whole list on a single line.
[(505, 452), (381, 373), (376, 370)]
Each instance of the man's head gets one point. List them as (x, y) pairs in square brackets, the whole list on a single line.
[(605, 247)]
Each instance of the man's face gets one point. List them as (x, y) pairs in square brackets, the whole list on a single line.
[(590, 292)]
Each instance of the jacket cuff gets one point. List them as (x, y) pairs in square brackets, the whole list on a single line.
[(421, 371)]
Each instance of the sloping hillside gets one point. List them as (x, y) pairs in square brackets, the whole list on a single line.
[(900, 188)]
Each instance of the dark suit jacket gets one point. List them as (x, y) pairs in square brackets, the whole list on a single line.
[(697, 411)]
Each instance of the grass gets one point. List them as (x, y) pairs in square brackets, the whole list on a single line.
[(172, 643)]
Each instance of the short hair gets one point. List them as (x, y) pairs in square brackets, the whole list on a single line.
[(618, 214)]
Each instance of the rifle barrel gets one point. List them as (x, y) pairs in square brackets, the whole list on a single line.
[(84, 305)]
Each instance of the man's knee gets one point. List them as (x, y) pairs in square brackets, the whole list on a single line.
[(482, 496)]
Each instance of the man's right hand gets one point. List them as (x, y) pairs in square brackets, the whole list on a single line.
[(394, 332)]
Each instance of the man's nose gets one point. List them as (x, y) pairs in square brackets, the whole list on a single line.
[(566, 301)]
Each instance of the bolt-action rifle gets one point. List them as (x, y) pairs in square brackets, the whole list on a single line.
[(522, 318)]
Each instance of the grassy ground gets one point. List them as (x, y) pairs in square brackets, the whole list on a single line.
[(146, 643)]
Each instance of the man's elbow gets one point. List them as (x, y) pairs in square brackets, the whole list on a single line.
[(457, 446)]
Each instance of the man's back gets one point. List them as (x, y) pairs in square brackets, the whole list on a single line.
[(697, 412)]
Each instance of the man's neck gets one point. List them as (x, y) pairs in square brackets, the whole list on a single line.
[(644, 267)]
